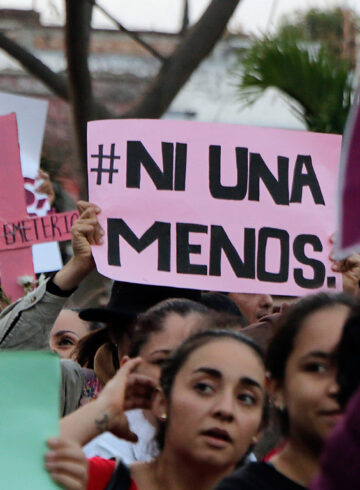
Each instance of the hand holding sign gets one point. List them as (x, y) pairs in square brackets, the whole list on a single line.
[(67, 464), (350, 270), (86, 231), (29, 407)]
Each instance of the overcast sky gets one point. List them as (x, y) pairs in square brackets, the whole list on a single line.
[(253, 16)]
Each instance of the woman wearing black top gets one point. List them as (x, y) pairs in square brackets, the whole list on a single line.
[(304, 391)]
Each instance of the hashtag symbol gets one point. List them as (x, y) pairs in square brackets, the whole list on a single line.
[(99, 169)]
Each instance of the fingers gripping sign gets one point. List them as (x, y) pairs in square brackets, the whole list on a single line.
[(67, 464), (349, 267), (86, 230)]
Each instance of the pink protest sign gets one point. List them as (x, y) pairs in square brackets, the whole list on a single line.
[(12, 207), (214, 207), (29, 231), (17, 230), (349, 189)]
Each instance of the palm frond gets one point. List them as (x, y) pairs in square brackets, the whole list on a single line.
[(313, 77)]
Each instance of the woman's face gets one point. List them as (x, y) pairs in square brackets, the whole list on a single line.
[(66, 333), (216, 404), (309, 390), (160, 344)]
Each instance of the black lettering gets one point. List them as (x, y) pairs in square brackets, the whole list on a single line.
[(73, 218), (66, 224), (309, 179), (44, 227), (18, 230), (237, 192), (36, 229), (137, 155), (8, 233), (220, 242), (278, 188), (25, 229), (180, 166), (283, 237), (158, 231), (318, 267), (331, 282), (184, 249), (54, 228)]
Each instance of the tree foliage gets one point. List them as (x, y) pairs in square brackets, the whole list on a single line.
[(313, 78), (195, 44), (335, 27)]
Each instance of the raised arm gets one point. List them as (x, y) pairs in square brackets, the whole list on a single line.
[(125, 391), (26, 324)]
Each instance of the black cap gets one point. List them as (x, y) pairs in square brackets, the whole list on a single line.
[(128, 299)]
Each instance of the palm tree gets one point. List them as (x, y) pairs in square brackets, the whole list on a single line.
[(320, 83), (336, 27)]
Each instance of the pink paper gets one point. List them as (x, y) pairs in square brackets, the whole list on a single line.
[(29, 231), (13, 264), (257, 220), (349, 193), (18, 232)]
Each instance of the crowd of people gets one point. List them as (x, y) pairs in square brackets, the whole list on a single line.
[(180, 388)]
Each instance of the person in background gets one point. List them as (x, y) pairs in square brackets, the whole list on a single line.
[(222, 303), (340, 460), (304, 391), (210, 409), (68, 329), (256, 306), (26, 324), (253, 306), (156, 333)]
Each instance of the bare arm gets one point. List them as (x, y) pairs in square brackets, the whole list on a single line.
[(125, 391), (26, 324)]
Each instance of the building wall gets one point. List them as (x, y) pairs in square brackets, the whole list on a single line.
[(121, 70)]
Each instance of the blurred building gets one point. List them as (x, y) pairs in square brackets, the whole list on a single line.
[(121, 70)]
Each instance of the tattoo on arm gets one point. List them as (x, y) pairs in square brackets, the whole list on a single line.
[(102, 424)]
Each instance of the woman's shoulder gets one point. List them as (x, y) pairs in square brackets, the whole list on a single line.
[(258, 476)]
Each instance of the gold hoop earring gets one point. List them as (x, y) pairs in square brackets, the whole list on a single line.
[(163, 416)]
